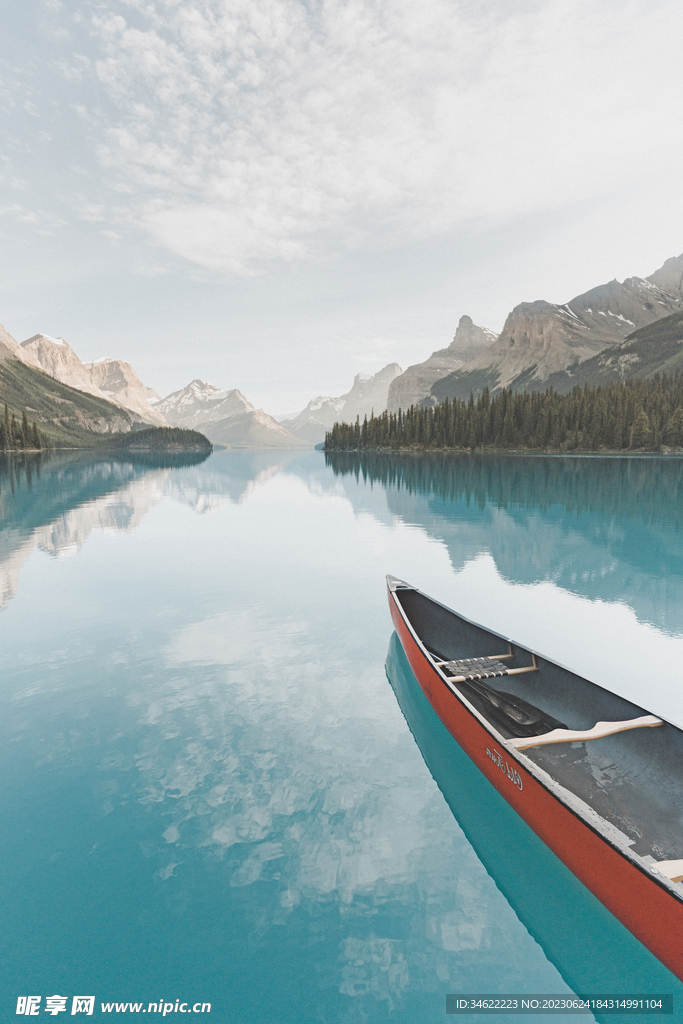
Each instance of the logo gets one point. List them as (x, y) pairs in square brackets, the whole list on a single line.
[(29, 1006), (511, 772)]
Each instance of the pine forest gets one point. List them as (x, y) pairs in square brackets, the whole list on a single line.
[(22, 436), (631, 415)]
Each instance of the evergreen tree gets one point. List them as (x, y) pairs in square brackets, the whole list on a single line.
[(641, 432), (673, 433), (616, 430)]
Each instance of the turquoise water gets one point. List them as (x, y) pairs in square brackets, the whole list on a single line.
[(219, 780)]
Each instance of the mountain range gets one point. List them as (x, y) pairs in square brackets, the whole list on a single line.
[(107, 395), (540, 339), (45, 377), (619, 329)]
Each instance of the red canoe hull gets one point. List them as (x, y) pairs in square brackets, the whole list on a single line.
[(647, 909)]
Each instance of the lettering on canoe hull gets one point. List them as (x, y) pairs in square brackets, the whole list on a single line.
[(509, 770)]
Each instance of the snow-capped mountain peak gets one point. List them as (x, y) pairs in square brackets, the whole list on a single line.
[(199, 402), (226, 417)]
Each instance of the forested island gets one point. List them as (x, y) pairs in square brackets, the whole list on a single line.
[(154, 439), (636, 414)]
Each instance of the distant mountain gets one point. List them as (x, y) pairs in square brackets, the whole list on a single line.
[(200, 402), (368, 393), (540, 339), (415, 384), (319, 415), (111, 379), (226, 417), (252, 429), (119, 382), (657, 348)]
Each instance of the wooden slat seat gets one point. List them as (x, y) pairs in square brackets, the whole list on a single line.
[(474, 668), (466, 670)]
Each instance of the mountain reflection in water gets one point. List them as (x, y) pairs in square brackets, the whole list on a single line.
[(211, 790), (588, 524), (53, 501)]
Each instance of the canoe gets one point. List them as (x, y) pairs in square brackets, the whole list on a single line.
[(592, 951), (599, 779)]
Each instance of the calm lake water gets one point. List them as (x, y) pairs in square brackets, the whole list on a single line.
[(220, 782)]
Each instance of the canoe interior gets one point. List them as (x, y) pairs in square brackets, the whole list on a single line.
[(633, 779)]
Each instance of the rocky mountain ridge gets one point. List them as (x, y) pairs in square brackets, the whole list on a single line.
[(70, 416), (657, 348), (56, 357), (11, 349), (541, 338), (113, 380), (416, 382), (119, 382)]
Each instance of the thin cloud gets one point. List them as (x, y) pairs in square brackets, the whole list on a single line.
[(41, 221), (247, 133)]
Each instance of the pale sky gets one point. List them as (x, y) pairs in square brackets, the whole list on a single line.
[(275, 195)]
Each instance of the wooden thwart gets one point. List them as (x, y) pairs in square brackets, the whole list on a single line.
[(578, 736), (486, 667), (440, 662)]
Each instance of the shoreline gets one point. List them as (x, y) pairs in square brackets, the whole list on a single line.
[(640, 453), (175, 449)]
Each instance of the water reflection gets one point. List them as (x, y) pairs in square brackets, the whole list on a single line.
[(601, 528), (231, 475), (54, 501), (243, 809), (37, 489), (212, 791), (210, 783)]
